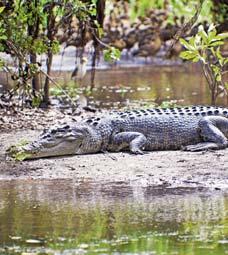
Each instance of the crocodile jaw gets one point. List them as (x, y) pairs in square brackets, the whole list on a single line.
[(56, 141), (39, 150), (59, 141)]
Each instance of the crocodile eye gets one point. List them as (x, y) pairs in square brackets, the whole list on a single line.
[(61, 130), (45, 136)]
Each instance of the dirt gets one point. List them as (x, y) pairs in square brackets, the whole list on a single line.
[(168, 168)]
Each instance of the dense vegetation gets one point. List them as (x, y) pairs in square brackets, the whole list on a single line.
[(29, 29)]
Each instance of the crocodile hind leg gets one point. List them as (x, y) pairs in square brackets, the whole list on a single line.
[(214, 132), (135, 141)]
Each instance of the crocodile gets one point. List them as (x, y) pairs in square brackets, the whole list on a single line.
[(193, 128)]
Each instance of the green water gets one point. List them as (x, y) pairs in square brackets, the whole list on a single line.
[(140, 86), (70, 217), (145, 85)]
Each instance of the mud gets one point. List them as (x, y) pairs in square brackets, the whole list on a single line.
[(171, 169)]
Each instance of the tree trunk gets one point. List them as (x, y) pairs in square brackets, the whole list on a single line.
[(35, 78), (94, 58), (213, 99), (46, 99), (33, 31), (100, 7), (50, 36), (213, 94)]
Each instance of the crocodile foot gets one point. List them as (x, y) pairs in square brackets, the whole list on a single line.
[(201, 147), (136, 151)]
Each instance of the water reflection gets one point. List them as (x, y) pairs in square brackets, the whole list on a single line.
[(85, 217)]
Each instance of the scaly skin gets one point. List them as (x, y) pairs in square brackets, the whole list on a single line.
[(190, 128)]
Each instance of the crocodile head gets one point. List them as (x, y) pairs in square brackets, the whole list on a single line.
[(59, 141)]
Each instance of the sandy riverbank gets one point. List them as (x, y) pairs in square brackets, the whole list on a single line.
[(169, 168)]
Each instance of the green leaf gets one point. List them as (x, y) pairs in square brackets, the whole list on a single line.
[(192, 41), (218, 53), (217, 72), (188, 54), (216, 43), (112, 54), (211, 36), (17, 152), (196, 59), (39, 46), (93, 11), (219, 77), (2, 9), (56, 91), (187, 45), (197, 40), (55, 47), (20, 156), (100, 31), (2, 63), (3, 37), (222, 36), (204, 36), (36, 101), (23, 142)]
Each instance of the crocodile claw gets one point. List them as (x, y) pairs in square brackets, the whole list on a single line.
[(137, 151), (201, 147)]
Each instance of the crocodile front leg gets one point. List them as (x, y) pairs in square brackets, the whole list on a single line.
[(135, 141), (214, 131)]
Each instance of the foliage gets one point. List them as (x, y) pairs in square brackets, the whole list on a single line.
[(204, 47), (15, 23), (175, 8), (17, 152), (168, 104), (139, 8), (187, 9), (111, 54), (28, 29), (220, 12), (19, 155)]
